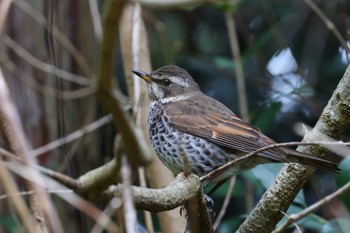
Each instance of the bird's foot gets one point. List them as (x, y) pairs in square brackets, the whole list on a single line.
[(210, 205)]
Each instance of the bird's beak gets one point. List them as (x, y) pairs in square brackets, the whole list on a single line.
[(143, 75)]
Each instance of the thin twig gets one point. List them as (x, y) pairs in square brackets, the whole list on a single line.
[(4, 9), (49, 91), (113, 204), (211, 175), (73, 199), (48, 68), (96, 19), (294, 223), (65, 42), (12, 131), (295, 217), (330, 25), (63, 179), (72, 136), (225, 204), (173, 3), (31, 192), (242, 94), (9, 185), (147, 214), (137, 148), (128, 203)]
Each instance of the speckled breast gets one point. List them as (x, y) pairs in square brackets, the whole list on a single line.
[(172, 145)]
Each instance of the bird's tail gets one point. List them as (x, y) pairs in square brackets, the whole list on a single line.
[(299, 157)]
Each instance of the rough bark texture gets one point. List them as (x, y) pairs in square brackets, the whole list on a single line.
[(333, 121)]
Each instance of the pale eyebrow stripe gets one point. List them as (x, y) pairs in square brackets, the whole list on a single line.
[(179, 81)]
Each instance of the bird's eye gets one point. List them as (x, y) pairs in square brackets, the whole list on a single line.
[(166, 82)]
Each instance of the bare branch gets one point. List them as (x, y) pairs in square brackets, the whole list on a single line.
[(295, 217), (136, 148), (46, 90), (198, 215), (66, 43), (72, 136), (96, 19), (48, 68), (236, 54), (225, 204), (9, 185), (330, 25), (128, 204), (11, 129), (99, 178), (155, 200), (73, 199), (174, 3), (136, 55), (211, 175), (4, 8)]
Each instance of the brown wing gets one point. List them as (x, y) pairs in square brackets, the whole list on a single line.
[(220, 126)]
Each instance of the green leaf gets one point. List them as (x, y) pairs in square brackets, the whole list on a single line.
[(304, 90), (264, 120), (223, 62), (228, 225), (336, 226), (343, 178), (238, 189), (267, 173), (9, 224)]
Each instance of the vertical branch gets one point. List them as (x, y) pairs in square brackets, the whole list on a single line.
[(129, 208), (329, 24), (242, 94), (4, 8), (10, 127), (198, 215), (135, 53), (135, 148), (9, 185)]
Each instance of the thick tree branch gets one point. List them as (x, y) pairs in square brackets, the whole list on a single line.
[(135, 53), (155, 200), (198, 215), (135, 148), (333, 121)]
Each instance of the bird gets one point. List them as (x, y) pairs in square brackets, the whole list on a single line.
[(186, 126)]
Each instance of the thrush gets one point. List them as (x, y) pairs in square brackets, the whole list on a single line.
[(184, 123)]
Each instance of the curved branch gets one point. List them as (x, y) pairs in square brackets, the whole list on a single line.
[(135, 148)]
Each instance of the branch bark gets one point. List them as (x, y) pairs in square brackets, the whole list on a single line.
[(135, 53), (136, 148), (333, 121), (175, 194), (14, 136)]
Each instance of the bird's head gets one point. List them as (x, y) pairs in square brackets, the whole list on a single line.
[(169, 83)]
